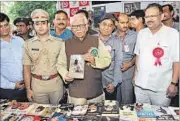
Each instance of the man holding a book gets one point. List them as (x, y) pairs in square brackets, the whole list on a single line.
[(92, 55)]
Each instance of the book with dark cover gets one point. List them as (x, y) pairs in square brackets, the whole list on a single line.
[(95, 109), (76, 67), (162, 113), (68, 106), (165, 118), (110, 108), (65, 109)]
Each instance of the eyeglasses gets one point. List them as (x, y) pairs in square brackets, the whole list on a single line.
[(152, 16), (81, 26), (107, 25)]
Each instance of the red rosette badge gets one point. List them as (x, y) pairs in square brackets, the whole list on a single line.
[(158, 53)]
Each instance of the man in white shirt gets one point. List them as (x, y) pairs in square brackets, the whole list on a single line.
[(157, 59)]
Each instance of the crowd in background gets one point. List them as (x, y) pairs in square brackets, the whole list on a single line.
[(137, 60)]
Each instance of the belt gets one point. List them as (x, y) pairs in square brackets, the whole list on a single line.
[(45, 77)]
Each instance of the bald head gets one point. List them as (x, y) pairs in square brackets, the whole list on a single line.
[(123, 22), (123, 15)]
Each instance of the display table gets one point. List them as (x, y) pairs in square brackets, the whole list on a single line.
[(106, 111)]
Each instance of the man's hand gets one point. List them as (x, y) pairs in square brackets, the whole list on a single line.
[(19, 85), (68, 78), (89, 58), (126, 65), (171, 91), (29, 94), (110, 88)]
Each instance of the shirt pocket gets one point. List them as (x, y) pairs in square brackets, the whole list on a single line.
[(131, 46), (166, 50), (35, 54)]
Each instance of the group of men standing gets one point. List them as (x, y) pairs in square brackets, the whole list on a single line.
[(144, 61)]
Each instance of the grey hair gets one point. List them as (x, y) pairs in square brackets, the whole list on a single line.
[(77, 16)]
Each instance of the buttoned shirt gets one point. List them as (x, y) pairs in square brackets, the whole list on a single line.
[(128, 44), (151, 76), (64, 36), (102, 61), (113, 73), (11, 62), (129, 41), (42, 55)]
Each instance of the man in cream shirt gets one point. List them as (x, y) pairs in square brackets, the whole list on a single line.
[(157, 60)]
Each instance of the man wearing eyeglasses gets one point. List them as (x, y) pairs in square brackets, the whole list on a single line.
[(42, 80), (111, 76), (157, 60), (88, 89)]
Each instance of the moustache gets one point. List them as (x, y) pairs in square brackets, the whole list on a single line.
[(150, 22), (61, 23), (125, 27)]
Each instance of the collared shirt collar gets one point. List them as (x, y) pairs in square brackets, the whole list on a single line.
[(53, 32), (50, 38), (104, 41), (118, 35), (11, 38), (77, 38), (161, 29)]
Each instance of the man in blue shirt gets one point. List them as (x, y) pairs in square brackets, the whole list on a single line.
[(60, 23), (12, 85), (111, 76), (125, 94)]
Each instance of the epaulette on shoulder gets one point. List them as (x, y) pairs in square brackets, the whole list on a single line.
[(31, 39), (56, 38)]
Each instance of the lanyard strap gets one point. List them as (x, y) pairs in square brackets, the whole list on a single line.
[(123, 40)]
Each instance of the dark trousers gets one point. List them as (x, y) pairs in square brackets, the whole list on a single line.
[(13, 94), (110, 96), (175, 100)]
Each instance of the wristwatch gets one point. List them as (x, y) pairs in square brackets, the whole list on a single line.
[(175, 84)]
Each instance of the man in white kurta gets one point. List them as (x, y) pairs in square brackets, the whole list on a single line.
[(156, 72)]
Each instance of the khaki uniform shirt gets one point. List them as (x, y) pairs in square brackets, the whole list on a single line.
[(102, 61), (42, 55)]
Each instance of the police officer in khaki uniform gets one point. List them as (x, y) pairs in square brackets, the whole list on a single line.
[(42, 80)]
